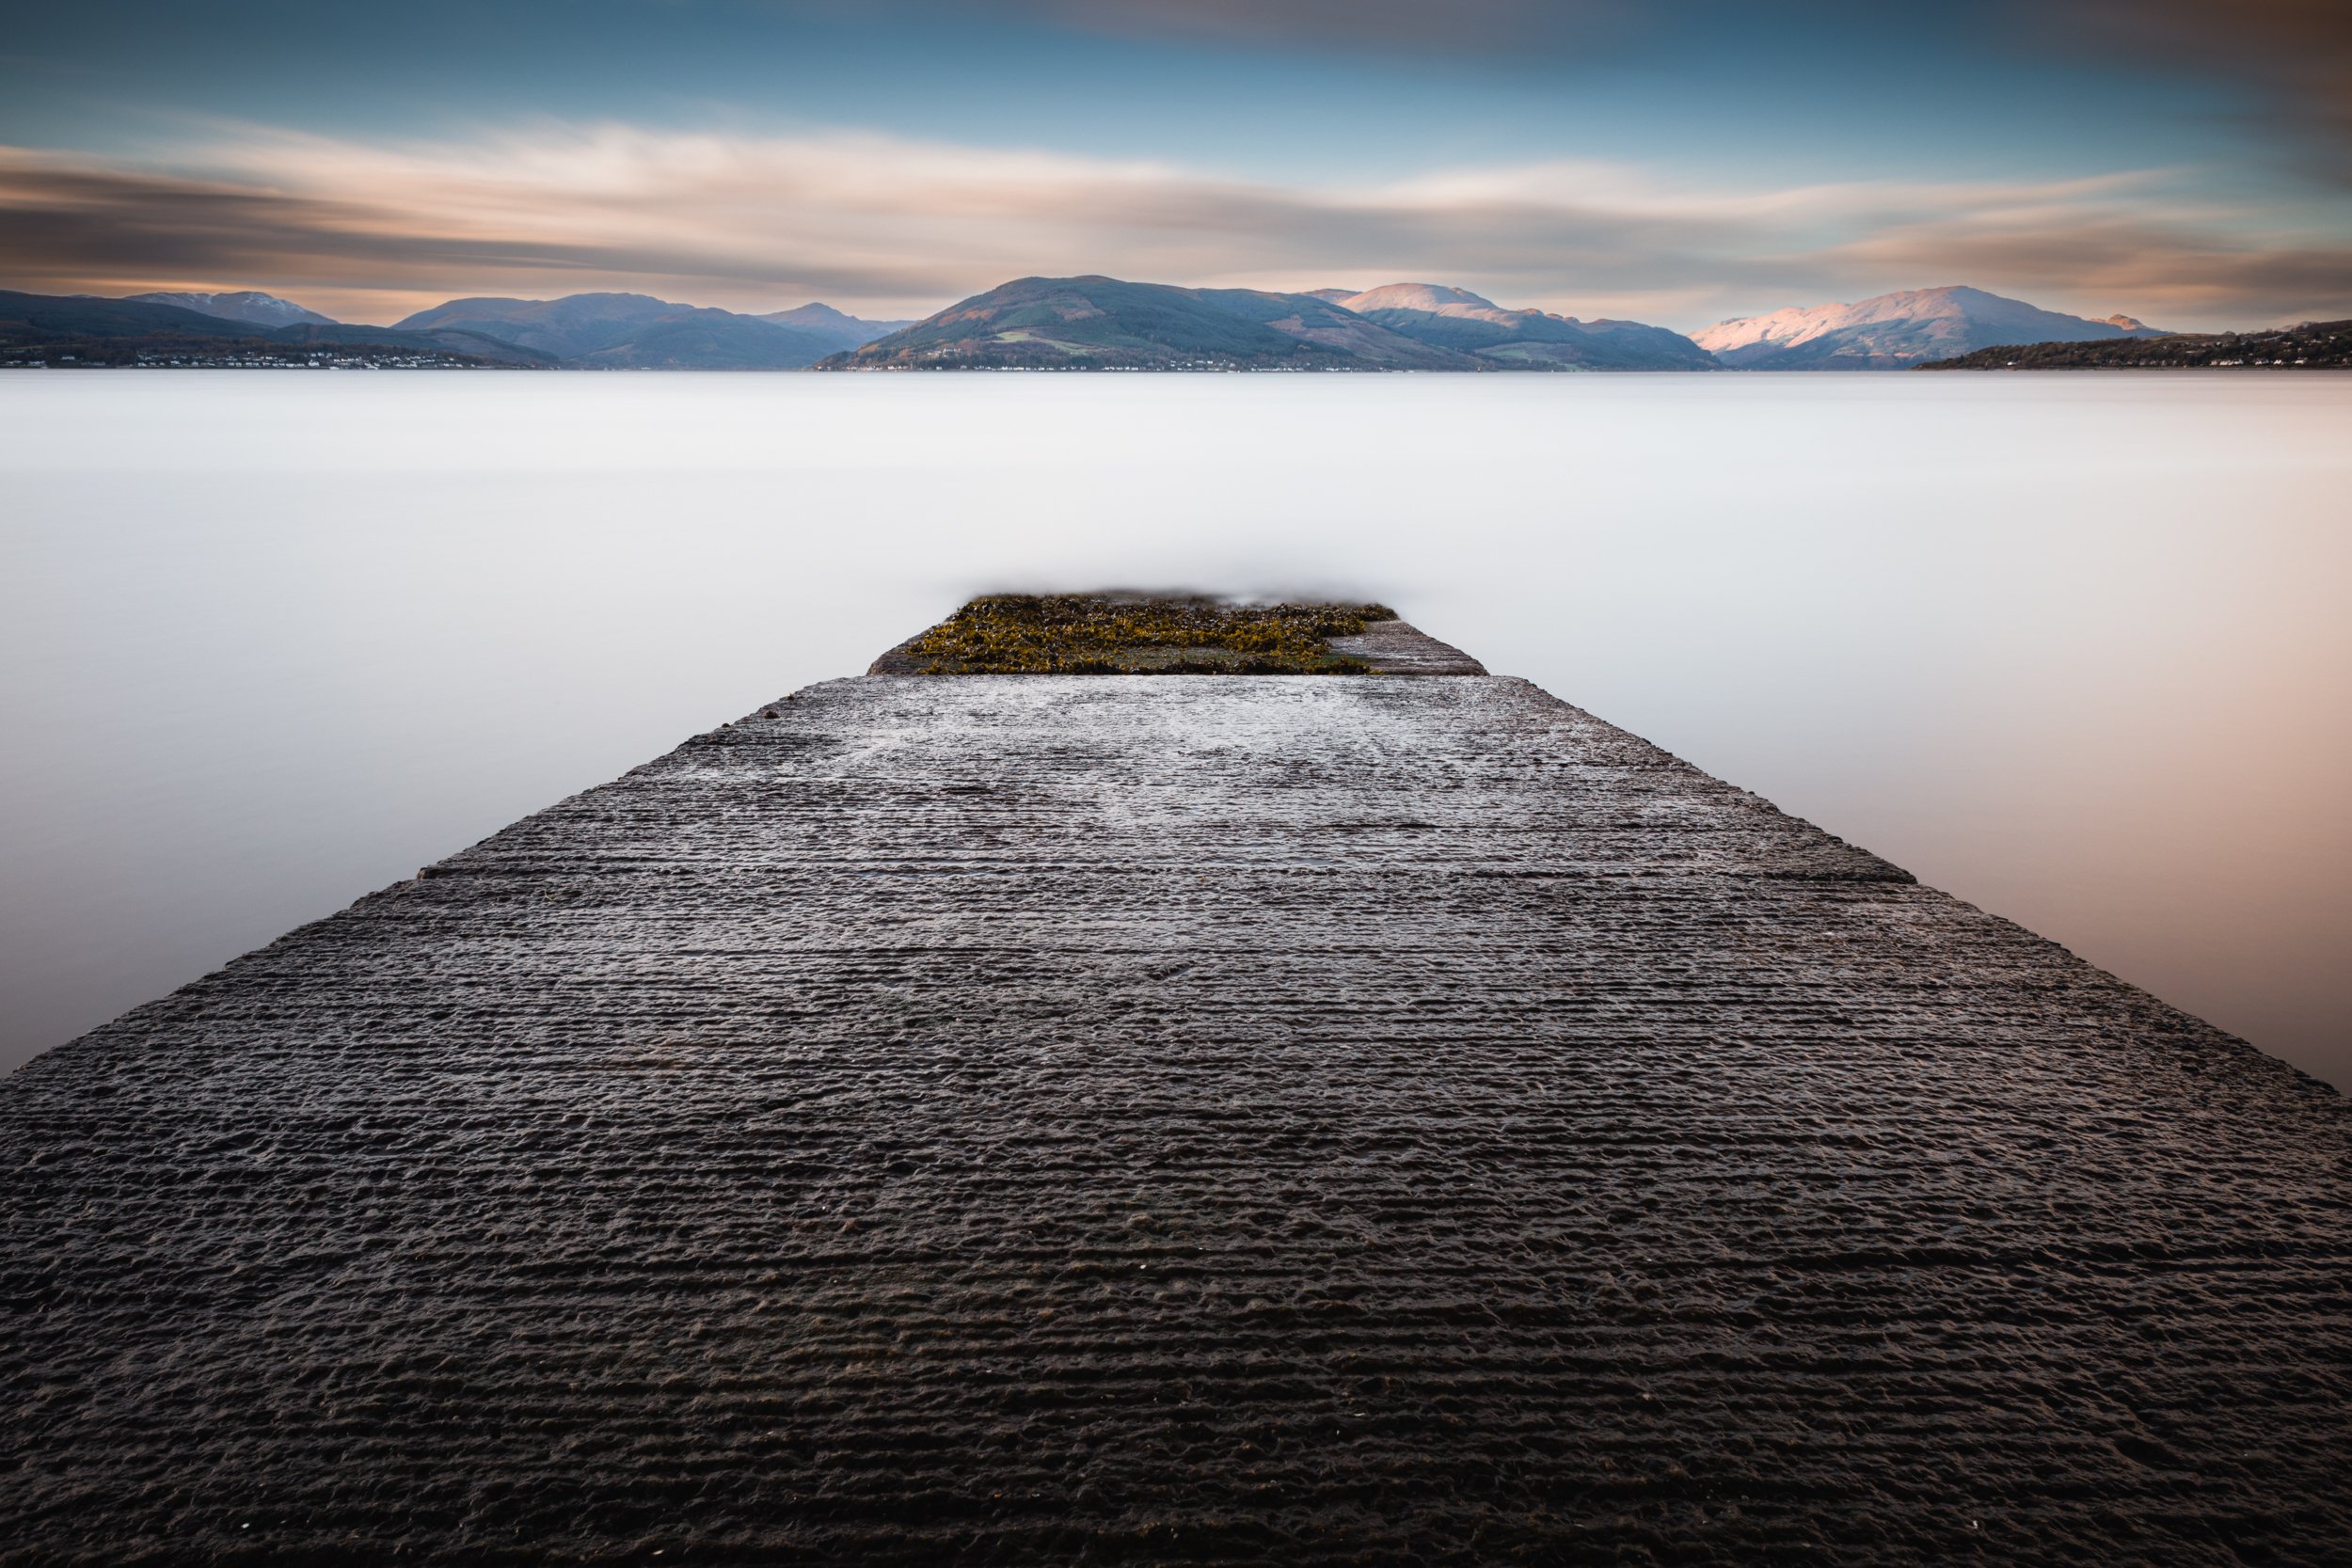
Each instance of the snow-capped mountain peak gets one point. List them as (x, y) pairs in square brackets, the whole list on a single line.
[(245, 305), (1889, 331)]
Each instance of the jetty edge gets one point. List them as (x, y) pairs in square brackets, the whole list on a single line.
[(1240, 1119)]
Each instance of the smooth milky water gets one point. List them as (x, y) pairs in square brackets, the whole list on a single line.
[(2075, 648)]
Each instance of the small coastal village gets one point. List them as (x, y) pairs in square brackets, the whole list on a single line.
[(248, 359)]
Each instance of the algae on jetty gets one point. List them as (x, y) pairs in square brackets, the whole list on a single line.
[(1021, 634)]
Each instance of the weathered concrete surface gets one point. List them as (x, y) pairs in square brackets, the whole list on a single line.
[(1400, 648), (1026, 1119)]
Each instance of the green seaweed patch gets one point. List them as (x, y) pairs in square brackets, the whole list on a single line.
[(1021, 634)]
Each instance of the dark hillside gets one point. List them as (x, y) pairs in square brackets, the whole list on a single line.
[(2312, 345)]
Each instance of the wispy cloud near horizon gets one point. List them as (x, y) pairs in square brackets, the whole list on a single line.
[(895, 225)]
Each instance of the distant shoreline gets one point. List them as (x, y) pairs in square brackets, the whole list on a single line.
[(391, 363), (1157, 371), (1091, 323)]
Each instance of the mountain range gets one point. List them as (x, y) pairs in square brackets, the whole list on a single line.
[(1526, 339), (1107, 324), (98, 331), (1899, 330), (580, 331), (1090, 323), (1095, 323), (639, 332)]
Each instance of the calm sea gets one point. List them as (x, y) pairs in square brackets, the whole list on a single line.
[(2076, 648)]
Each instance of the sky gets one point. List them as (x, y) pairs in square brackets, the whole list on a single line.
[(2187, 162)]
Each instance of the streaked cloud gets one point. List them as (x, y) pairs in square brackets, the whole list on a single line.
[(1458, 26), (2296, 56), (2295, 53), (885, 224)]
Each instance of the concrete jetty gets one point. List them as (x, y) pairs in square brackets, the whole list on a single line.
[(1341, 1118)]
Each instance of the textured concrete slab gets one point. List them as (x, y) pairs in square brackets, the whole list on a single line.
[(1399, 648), (1133, 1118)]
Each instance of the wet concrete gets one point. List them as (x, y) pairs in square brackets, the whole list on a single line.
[(1400, 648), (1170, 1120)]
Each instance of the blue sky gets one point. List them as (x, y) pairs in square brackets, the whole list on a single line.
[(2186, 161)]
